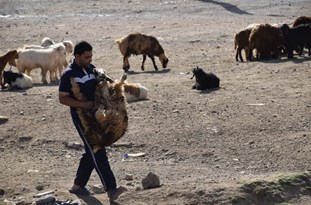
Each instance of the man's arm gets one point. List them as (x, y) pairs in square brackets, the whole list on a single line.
[(66, 99)]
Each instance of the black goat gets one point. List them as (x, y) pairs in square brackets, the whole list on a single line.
[(204, 80), (296, 38)]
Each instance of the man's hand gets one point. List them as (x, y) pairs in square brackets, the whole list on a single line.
[(88, 105)]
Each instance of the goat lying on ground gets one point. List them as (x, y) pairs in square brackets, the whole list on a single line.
[(137, 44), (135, 92), (204, 80), (108, 121), (9, 57), (17, 81)]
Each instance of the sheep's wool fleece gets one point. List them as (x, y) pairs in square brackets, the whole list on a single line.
[(108, 122)]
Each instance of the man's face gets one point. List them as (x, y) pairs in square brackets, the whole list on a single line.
[(84, 59)]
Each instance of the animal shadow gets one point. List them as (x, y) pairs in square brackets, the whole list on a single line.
[(229, 7), (207, 91), (90, 200), (54, 83), (132, 72), (8, 89)]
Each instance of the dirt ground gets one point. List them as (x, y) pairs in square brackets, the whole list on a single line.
[(202, 145)]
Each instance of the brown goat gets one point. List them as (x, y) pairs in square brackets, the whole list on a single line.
[(137, 44), (9, 57), (241, 41), (266, 39)]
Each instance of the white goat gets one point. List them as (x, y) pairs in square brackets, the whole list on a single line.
[(46, 59), (62, 61)]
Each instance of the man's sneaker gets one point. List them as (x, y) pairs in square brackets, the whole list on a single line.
[(82, 191), (115, 193)]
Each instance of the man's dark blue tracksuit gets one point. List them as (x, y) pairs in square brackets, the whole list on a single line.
[(90, 160)]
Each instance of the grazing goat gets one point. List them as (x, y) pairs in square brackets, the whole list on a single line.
[(137, 44), (17, 81), (46, 59), (241, 41), (296, 38), (108, 121), (299, 21), (204, 80), (267, 40), (9, 57)]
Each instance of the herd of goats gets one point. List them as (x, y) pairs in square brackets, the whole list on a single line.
[(269, 41)]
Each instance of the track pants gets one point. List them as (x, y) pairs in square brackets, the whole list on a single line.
[(91, 160)]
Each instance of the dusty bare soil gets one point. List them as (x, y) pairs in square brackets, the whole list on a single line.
[(202, 145)]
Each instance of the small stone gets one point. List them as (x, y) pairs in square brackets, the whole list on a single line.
[(74, 145), (39, 187), (3, 119), (2, 192), (151, 181), (128, 177), (97, 189)]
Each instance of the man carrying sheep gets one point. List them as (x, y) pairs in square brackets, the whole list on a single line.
[(81, 70)]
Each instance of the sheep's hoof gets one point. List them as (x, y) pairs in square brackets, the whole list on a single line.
[(126, 68), (142, 68), (123, 78), (156, 68)]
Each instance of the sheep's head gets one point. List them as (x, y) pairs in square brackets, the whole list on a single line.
[(164, 60), (69, 46), (196, 71), (285, 29), (101, 74), (14, 55)]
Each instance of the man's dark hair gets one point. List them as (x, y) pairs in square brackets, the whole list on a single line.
[(81, 47)]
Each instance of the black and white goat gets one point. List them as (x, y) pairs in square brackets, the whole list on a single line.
[(204, 80), (17, 81)]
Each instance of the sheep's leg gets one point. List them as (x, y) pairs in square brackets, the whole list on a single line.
[(52, 75), (60, 68), (143, 63), (27, 71), (246, 50), (1, 84), (236, 54), (290, 53), (43, 74), (154, 65), (250, 52), (239, 51), (126, 64)]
